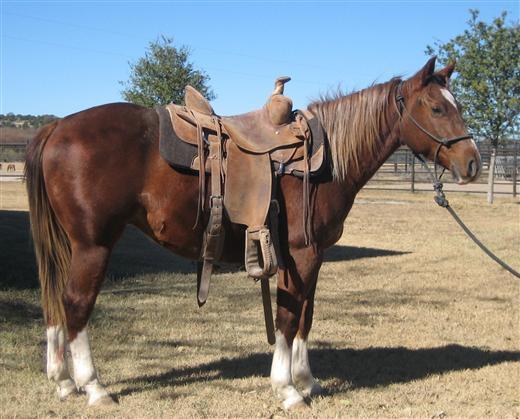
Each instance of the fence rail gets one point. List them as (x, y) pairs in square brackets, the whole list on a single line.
[(402, 171)]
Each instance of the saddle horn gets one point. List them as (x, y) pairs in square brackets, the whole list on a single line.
[(279, 84), (279, 107)]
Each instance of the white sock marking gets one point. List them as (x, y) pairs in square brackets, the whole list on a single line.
[(300, 368), (56, 361), (281, 373), (85, 373)]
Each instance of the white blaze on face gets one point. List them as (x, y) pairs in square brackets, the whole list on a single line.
[(449, 97)]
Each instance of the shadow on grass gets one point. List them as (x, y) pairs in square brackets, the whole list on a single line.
[(133, 254), (345, 253), (18, 312), (359, 368)]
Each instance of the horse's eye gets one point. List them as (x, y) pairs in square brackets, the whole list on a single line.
[(436, 110)]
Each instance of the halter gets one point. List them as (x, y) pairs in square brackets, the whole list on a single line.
[(447, 142)]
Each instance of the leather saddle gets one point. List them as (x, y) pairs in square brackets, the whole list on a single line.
[(244, 155)]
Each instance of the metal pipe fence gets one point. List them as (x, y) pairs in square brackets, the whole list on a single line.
[(402, 171)]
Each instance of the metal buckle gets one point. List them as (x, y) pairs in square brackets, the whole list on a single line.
[(217, 198), (281, 169)]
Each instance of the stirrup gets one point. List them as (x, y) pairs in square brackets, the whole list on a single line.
[(260, 255)]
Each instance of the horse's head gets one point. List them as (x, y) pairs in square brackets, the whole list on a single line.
[(432, 124)]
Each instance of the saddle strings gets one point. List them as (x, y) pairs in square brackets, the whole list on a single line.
[(202, 170), (307, 138)]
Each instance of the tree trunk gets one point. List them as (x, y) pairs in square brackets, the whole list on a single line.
[(491, 176)]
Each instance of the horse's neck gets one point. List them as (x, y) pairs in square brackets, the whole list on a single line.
[(370, 164), (346, 190)]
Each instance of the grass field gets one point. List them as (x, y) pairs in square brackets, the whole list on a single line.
[(411, 320)]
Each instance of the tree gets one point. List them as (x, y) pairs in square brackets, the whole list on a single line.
[(162, 74), (488, 80)]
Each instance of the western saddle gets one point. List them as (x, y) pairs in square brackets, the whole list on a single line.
[(244, 155)]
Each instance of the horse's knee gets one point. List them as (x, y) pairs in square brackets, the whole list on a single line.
[(77, 310)]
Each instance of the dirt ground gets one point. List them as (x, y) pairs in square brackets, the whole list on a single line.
[(411, 320)]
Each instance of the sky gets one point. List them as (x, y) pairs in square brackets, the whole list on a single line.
[(60, 57)]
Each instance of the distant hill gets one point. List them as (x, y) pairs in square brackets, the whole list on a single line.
[(12, 120), (19, 129)]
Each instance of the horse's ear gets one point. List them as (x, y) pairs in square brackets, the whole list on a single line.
[(446, 72), (423, 76)]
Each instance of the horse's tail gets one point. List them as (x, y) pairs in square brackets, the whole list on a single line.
[(51, 244)]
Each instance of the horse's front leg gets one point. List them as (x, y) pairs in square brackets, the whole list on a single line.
[(290, 361), (300, 365)]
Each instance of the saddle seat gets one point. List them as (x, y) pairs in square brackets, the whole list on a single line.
[(260, 131)]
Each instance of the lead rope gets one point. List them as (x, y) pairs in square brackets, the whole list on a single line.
[(441, 200)]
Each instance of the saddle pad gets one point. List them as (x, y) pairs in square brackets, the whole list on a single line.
[(177, 153)]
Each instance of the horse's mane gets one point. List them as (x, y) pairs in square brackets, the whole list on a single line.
[(355, 124)]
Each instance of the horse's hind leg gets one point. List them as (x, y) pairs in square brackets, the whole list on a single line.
[(87, 270), (57, 370)]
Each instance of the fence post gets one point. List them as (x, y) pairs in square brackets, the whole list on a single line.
[(515, 168), (406, 161), (412, 187)]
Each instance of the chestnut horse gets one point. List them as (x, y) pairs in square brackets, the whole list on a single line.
[(90, 174)]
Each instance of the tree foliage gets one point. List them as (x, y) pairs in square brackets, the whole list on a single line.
[(161, 75), (488, 80)]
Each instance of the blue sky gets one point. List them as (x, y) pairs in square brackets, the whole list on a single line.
[(64, 56)]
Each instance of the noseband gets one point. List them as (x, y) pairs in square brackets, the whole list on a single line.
[(447, 142)]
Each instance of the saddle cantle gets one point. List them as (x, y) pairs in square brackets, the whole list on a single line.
[(244, 155)]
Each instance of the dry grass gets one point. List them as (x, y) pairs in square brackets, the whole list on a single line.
[(12, 196), (412, 320)]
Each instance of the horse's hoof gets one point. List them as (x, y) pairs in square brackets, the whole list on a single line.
[(297, 406), (97, 395), (65, 389), (314, 390), (295, 403), (105, 400)]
